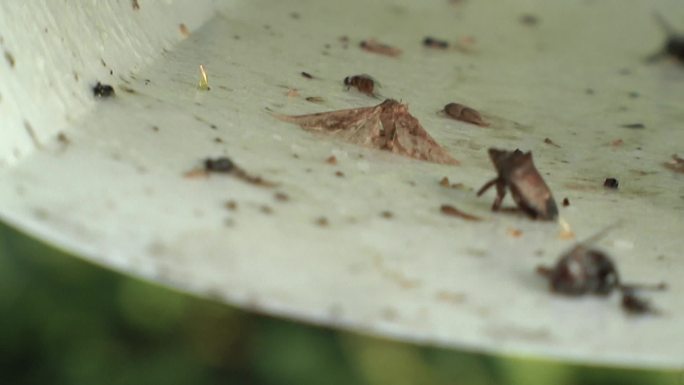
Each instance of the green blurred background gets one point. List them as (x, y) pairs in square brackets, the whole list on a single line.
[(66, 321)]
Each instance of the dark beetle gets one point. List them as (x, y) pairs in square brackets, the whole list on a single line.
[(517, 173)]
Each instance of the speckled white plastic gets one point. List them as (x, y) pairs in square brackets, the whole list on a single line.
[(115, 192)]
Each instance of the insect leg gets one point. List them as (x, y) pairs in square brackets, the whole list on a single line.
[(487, 186), (500, 194)]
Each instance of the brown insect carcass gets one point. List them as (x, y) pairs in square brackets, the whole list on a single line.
[(387, 126), (517, 173), (465, 114), (364, 83), (374, 46), (584, 270)]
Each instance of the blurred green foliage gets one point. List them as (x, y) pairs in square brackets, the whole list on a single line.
[(65, 321)]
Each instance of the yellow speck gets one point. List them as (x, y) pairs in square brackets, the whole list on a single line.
[(566, 231), (204, 80)]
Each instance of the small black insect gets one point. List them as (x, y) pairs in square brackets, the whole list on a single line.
[(307, 75), (222, 164), (517, 173), (584, 270), (611, 183), (103, 90), (432, 42)]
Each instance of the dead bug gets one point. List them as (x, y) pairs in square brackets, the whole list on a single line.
[(676, 164), (674, 43), (364, 83), (371, 45), (465, 114), (585, 270), (103, 90), (387, 126), (432, 42), (516, 172), (307, 75)]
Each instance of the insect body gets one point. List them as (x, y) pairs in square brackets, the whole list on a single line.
[(103, 90), (674, 45), (465, 114), (363, 83), (517, 173), (584, 270)]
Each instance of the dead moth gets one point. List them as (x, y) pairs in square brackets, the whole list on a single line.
[(518, 174), (364, 83), (465, 114), (387, 126), (585, 270)]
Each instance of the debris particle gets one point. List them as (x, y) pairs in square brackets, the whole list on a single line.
[(281, 197), (589, 91), (633, 304), (307, 75), (364, 83), (465, 44), (444, 182), (10, 59), (551, 142), (292, 93), (222, 164), (218, 140), (432, 42), (155, 128), (62, 138), (183, 30), (611, 183), (127, 89), (231, 205), (266, 209), (454, 212), (103, 90), (450, 297), (465, 114), (566, 202), (315, 99), (516, 172), (387, 214), (387, 126), (515, 233), (295, 15), (135, 4), (322, 221), (204, 80), (374, 46), (634, 126), (331, 160), (529, 19), (339, 174), (676, 164), (617, 143), (633, 95)]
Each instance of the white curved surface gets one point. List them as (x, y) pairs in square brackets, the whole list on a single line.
[(116, 194)]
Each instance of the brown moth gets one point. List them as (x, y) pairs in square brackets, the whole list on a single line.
[(387, 126), (465, 114), (364, 83), (517, 173)]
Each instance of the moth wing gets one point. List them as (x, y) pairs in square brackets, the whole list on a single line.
[(333, 120), (411, 139)]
